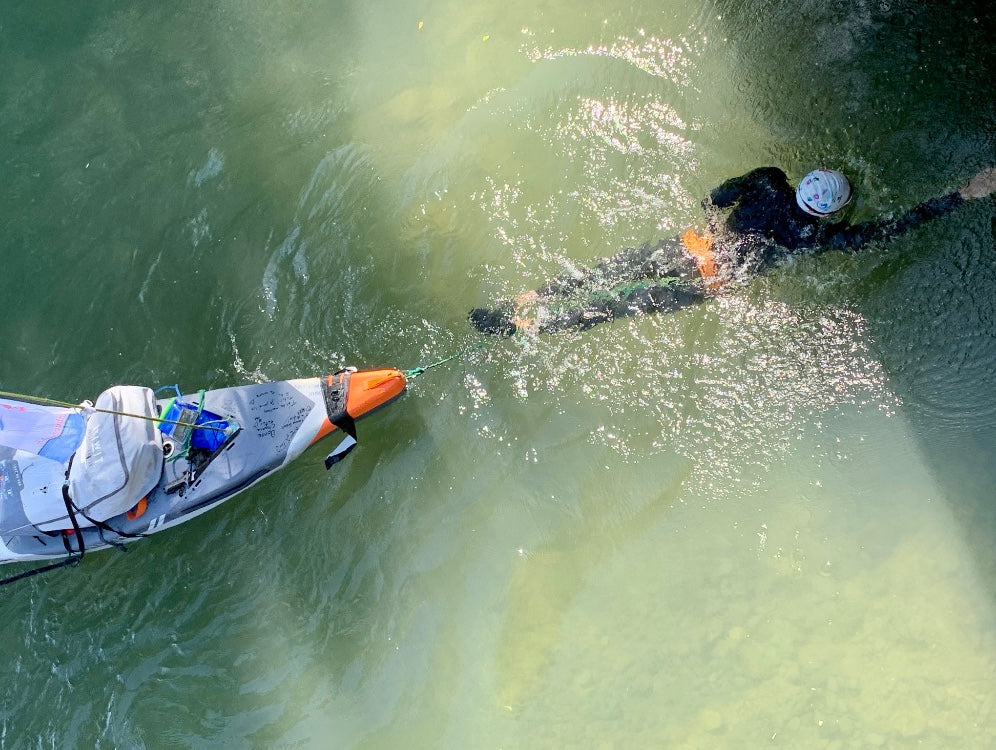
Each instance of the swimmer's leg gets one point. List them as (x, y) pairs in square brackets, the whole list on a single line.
[(653, 278)]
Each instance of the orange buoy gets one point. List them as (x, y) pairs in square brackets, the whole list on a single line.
[(368, 390)]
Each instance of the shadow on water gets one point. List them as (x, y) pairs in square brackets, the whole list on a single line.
[(891, 87), (900, 93), (934, 319)]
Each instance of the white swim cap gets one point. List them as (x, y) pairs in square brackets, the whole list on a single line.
[(822, 192)]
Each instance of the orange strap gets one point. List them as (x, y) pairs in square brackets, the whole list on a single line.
[(699, 248)]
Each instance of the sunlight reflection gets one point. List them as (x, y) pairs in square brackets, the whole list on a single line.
[(729, 386), (663, 58), (619, 124)]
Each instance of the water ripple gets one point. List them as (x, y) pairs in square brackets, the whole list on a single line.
[(728, 386)]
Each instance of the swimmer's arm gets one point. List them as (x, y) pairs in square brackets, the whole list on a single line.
[(729, 192), (855, 236)]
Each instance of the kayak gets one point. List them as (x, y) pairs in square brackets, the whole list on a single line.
[(78, 479)]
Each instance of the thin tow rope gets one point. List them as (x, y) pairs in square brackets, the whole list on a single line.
[(416, 371), (53, 402)]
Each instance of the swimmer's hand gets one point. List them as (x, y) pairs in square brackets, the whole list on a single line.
[(983, 184)]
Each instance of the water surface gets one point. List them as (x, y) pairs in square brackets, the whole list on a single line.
[(763, 522)]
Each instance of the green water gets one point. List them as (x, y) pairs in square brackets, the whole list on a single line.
[(766, 522)]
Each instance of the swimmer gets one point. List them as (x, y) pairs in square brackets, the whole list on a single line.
[(754, 222)]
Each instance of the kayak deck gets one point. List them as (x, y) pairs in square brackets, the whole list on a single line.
[(274, 423)]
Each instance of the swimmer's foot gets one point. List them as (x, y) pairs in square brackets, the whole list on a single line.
[(497, 321), (980, 186), (521, 314)]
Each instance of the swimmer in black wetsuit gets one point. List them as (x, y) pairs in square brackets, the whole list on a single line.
[(754, 222)]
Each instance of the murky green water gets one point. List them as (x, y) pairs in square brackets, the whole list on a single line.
[(767, 522)]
